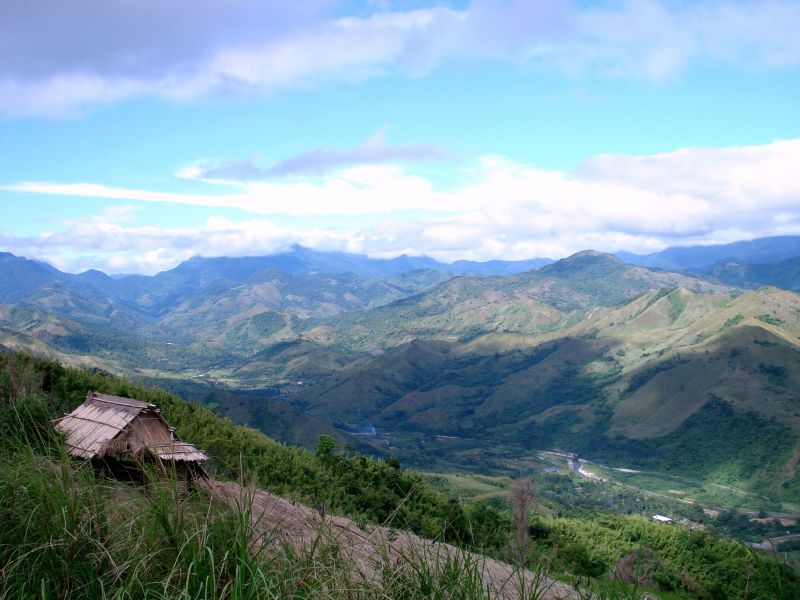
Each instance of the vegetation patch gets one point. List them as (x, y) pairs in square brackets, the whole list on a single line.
[(657, 296), (726, 446), (642, 376), (770, 319), (776, 374), (732, 322), (677, 304)]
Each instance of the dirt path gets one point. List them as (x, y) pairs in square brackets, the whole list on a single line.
[(281, 521)]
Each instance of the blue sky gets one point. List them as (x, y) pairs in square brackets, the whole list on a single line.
[(135, 135)]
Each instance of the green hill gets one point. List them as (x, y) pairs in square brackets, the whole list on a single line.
[(645, 384)]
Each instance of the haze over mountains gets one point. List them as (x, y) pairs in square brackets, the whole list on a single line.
[(749, 264), (758, 251), (636, 366)]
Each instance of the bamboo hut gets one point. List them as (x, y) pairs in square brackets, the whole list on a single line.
[(125, 435)]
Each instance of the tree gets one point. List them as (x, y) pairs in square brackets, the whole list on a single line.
[(521, 497), (325, 446)]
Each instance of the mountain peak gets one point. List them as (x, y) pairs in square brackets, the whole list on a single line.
[(583, 261), (593, 253)]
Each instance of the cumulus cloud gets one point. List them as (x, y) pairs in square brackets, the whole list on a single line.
[(61, 59), (319, 161), (743, 177), (501, 209)]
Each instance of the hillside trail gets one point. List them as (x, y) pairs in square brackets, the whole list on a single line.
[(278, 521)]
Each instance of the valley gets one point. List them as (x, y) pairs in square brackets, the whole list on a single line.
[(470, 367)]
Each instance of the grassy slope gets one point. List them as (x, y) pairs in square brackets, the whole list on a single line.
[(367, 489), (68, 534)]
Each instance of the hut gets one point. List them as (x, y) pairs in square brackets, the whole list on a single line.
[(123, 435)]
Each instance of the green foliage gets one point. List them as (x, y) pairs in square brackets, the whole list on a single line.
[(726, 446), (770, 319), (325, 447), (362, 487), (677, 305), (68, 534), (733, 321), (266, 323), (656, 297), (26, 424), (775, 374), (744, 527)]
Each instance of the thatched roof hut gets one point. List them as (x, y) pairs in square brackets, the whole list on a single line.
[(112, 428)]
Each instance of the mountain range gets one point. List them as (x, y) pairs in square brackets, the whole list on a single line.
[(688, 371), (747, 264), (767, 250)]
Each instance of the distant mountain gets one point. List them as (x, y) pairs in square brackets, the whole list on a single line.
[(784, 274), (164, 291), (208, 314), (496, 267), (21, 277), (702, 258), (341, 262), (301, 260), (191, 321), (215, 318), (549, 298)]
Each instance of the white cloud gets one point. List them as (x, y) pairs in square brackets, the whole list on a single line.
[(502, 209), (77, 55), (745, 177), (364, 189)]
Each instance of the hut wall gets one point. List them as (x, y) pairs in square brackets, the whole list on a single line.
[(148, 430)]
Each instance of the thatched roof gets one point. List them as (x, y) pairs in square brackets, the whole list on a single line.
[(101, 426)]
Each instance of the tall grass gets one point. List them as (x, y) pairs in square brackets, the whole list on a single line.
[(68, 532)]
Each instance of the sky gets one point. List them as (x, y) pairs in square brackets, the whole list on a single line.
[(135, 135)]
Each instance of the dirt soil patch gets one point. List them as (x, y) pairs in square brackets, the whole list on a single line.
[(280, 521)]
